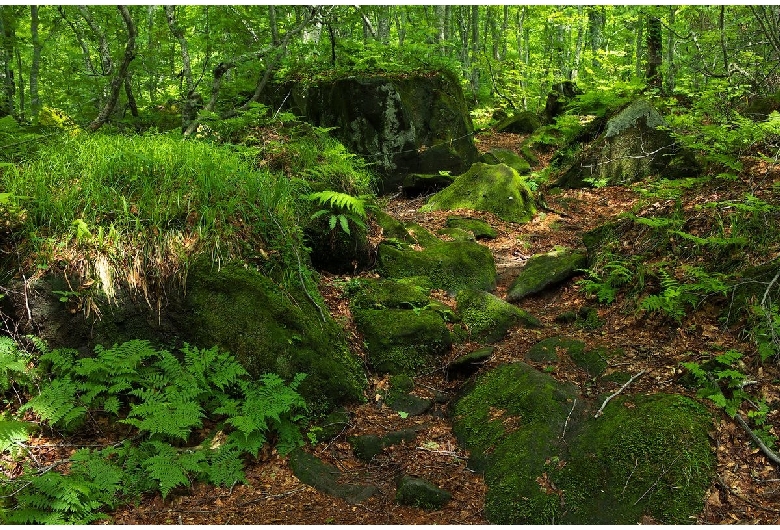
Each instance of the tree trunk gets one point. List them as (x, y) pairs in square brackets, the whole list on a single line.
[(188, 98), (20, 83), (383, 24), (475, 49), (439, 9), (106, 63), (654, 54), (596, 20), (35, 66), (90, 68), (670, 43), (578, 49), (639, 41), (272, 24), (119, 79), (7, 38)]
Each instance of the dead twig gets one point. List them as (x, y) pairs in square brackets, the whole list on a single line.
[(622, 388), (771, 455), (566, 424), (730, 491)]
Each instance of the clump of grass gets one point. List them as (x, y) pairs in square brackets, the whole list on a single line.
[(133, 207)]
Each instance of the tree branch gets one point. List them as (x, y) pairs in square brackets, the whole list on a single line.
[(622, 388)]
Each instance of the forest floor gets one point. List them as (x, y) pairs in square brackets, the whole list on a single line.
[(747, 487)]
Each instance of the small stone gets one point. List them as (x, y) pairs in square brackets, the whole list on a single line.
[(421, 493)]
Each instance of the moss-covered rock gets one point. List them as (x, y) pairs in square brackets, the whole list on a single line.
[(365, 447), (631, 147), (469, 364), (488, 188), (548, 350), (380, 293), (270, 330), (450, 265), (456, 234), (392, 228), (389, 119), (336, 251), (412, 491), (416, 184), (312, 471), (401, 340), (524, 122), (511, 421), (510, 158), (645, 455), (488, 317), (478, 227), (546, 461), (544, 270)]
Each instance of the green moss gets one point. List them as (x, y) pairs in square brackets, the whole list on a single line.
[(511, 422), (652, 457), (592, 361), (270, 330), (389, 294), (510, 158), (489, 188), (547, 349), (488, 317), (402, 341), (421, 493), (478, 227), (392, 228), (456, 234), (544, 270), (449, 265)]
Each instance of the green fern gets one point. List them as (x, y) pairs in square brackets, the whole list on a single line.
[(13, 364), (13, 433)]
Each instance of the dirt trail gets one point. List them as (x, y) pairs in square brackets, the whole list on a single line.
[(747, 488)]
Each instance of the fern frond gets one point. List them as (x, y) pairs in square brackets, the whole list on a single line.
[(340, 201), (14, 432)]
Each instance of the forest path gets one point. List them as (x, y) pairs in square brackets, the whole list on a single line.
[(745, 490)]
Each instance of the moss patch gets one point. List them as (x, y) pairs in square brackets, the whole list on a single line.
[(402, 341), (270, 330), (645, 455), (511, 422), (389, 294), (449, 265), (547, 350), (478, 227), (510, 158), (544, 270), (488, 188), (488, 317)]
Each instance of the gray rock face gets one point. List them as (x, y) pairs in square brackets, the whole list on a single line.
[(415, 124), (630, 149)]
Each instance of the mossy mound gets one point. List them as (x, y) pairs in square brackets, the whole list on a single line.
[(511, 422), (450, 265), (546, 461), (335, 251), (379, 293), (270, 330), (392, 228), (524, 122), (547, 350), (510, 158), (416, 184), (456, 234), (401, 340), (478, 227), (488, 317), (647, 455), (488, 188), (412, 491), (544, 270)]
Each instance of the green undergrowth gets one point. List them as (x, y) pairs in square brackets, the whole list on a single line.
[(190, 416)]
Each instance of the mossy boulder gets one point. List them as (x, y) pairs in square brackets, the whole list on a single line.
[(392, 228), (271, 330), (449, 265), (402, 340), (646, 455), (547, 460), (548, 350), (456, 234), (631, 147), (498, 189), (380, 293), (365, 447), (478, 227), (524, 122), (413, 491), (312, 471), (469, 364), (511, 421), (488, 318), (416, 123), (544, 270), (336, 251), (510, 158)]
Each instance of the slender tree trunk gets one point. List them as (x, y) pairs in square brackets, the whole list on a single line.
[(504, 32), (671, 67), (439, 9), (7, 41), (20, 83), (152, 76), (654, 54), (578, 49), (90, 68), (35, 66), (722, 29), (189, 104), (400, 24), (475, 73), (131, 103), (383, 24), (639, 43), (272, 23), (596, 21), (106, 63), (118, 80)]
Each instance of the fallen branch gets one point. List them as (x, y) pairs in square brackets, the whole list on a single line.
[(771, 455), (731, 491), (622, 388), (442, 452), (566, 424)]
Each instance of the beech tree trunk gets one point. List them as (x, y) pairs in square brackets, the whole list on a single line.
[(189, 108), (35, 66), (654, 54), (118, 80)]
